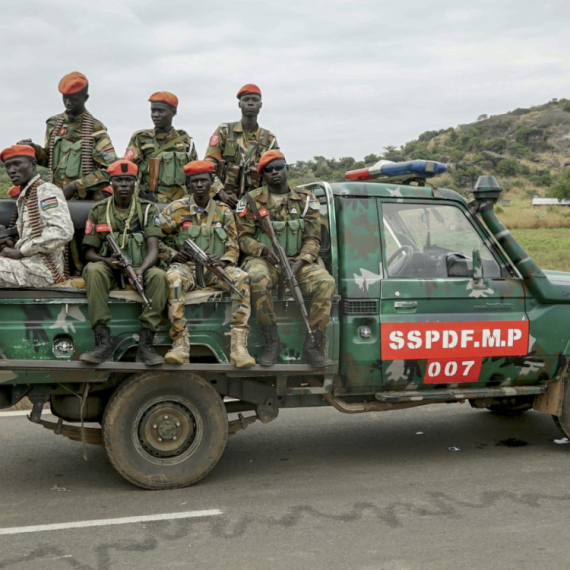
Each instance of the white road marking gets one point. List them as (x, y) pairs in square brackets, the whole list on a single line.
[(108, 522)]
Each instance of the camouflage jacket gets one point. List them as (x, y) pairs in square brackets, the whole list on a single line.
[(183, 219), (230, 146), (177, 150), (57, 229), (296, 223), (143, 222), (66, 164)]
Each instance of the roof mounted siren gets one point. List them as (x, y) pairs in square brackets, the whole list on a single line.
[(399, 172)]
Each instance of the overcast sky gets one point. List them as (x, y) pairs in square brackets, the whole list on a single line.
[(338, 77)]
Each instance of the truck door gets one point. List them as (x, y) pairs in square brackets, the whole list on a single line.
[(439, 325)]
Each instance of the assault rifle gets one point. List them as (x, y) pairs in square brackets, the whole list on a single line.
[(202, 260), (128, 270), (8, 233), (288, 275)]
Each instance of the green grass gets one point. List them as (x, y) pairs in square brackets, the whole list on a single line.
[(549, 247)]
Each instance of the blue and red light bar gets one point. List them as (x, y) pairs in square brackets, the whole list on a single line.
[(403, 170)]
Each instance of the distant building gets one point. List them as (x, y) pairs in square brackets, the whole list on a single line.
[(536, 201)]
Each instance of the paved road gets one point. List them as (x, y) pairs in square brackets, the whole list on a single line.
[(315, 489)]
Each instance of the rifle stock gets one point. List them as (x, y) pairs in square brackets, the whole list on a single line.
[(153, 169), (127, 268)]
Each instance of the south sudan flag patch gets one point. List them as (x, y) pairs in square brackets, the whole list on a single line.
[(49, 203)]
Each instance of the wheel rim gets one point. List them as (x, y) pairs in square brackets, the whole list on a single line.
[(167, 430)]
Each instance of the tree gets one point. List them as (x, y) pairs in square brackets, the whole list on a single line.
[(562, 189)]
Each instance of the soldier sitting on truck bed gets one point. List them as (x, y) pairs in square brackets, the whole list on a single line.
[(211, 226), (36, 257), (133, 223), (295, 216), (235, 148), (162, 152)]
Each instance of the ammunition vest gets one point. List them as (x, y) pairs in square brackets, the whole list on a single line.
[(172, 162), (289, 233), (211, 239), (132, 244), (67, 157), (233, 157)]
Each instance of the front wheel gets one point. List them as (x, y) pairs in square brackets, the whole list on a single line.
[(164, 431)]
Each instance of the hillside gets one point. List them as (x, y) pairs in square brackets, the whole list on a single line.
[(526, 148)]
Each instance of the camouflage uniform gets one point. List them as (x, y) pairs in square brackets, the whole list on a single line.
[(43, 255), (214, 230), (100, 278), (297, 226), (66, 160), (178, 150), (229, 146)]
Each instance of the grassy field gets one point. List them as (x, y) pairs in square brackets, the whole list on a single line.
[(550, 248)]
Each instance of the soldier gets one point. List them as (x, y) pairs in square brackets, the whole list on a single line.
[(162, 152), (235, 148), (295, 214), (77, 147), (211, 226), (36, 258), (134, 225)]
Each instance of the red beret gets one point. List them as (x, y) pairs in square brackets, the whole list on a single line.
[(199, 167), (123, 168), (17, 150), (72, 83), (249, 88), (164, 97), (14, 192), (268, 157)]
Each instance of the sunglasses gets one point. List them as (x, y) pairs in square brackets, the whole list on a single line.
[(276, 168)]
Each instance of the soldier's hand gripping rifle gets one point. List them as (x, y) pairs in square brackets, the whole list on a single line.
[(128, 270), (202, 260), (288, 275)]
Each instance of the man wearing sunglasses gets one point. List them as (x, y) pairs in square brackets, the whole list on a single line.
[(295, 216)]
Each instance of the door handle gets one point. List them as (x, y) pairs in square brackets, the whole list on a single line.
[(405, 304)]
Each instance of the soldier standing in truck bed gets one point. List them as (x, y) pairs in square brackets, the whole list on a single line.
[(36, 257), (235, 148), (77, 148), (162, 152)]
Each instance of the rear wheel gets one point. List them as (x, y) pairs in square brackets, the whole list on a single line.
[(163, 431)]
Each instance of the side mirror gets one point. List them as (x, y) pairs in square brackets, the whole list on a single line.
[(478, 277)]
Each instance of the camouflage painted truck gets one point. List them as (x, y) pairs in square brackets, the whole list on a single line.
[(436, 302)]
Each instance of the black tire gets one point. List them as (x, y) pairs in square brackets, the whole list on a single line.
[(164, 431), (511, 407)]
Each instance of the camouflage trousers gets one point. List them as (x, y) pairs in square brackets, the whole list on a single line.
[(314, 281), (182, 278), (14, 273), (100, 279)]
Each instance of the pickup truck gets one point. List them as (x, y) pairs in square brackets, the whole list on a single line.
[(436, 302)]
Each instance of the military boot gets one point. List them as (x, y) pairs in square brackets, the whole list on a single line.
[(271, 346), (314, 351), (239, 356), (180, 351), (146, 352), (103, 349)]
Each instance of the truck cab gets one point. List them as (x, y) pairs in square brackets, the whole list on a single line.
[(436, 302)]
